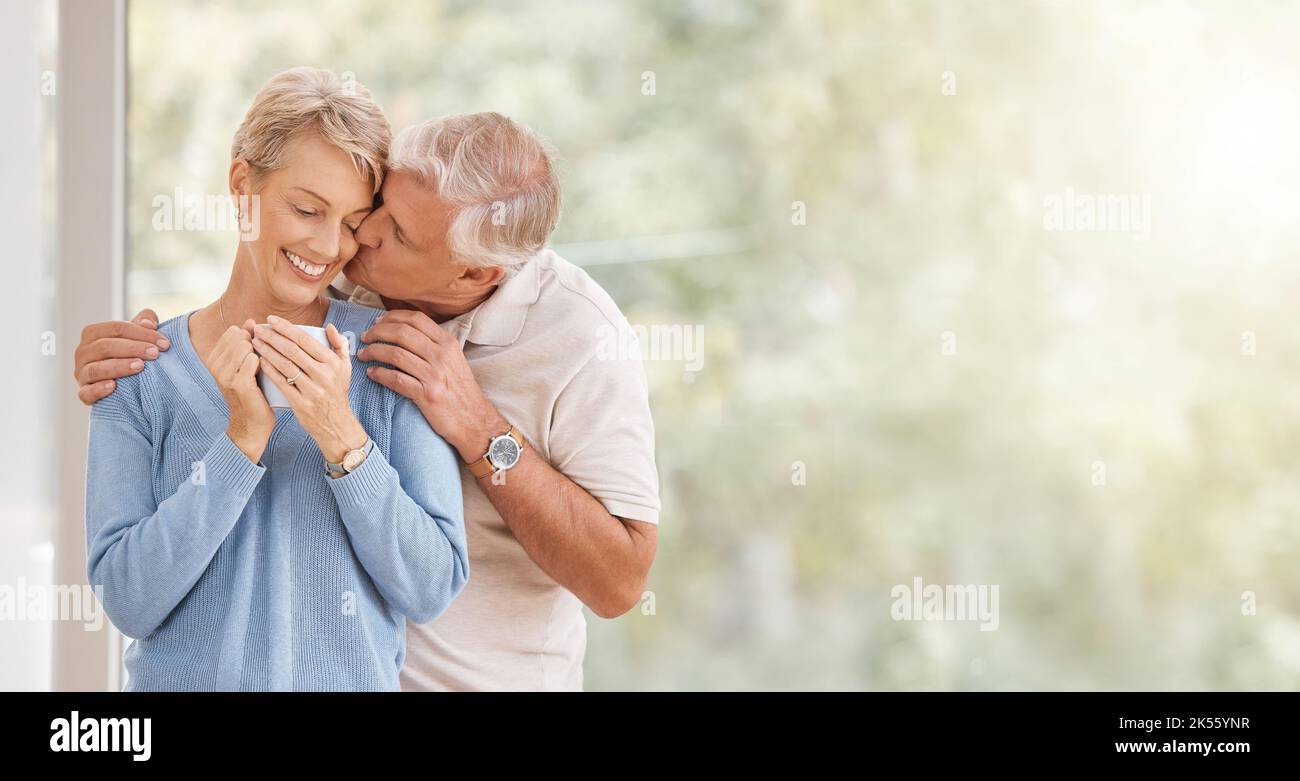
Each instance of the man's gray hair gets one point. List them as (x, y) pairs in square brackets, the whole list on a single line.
[(499, 178)]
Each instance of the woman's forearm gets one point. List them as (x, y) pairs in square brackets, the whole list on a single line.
[(405, 515), (415, 554), (147, 558)]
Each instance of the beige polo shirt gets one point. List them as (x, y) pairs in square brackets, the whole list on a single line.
[(557, 358)]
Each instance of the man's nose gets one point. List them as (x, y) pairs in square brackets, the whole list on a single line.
[(367, 233)]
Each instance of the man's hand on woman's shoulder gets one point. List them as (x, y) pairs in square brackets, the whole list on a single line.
[(115, 349)]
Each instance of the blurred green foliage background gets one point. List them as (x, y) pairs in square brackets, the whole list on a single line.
[(950, 373)]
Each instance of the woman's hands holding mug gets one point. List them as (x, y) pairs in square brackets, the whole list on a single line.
[(319, 391), (234, 367)]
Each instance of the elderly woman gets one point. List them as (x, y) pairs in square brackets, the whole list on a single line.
[(245, 547)]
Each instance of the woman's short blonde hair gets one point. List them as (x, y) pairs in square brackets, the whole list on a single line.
[(306, 99)]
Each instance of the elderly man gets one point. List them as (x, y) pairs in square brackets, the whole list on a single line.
[(498, 341)]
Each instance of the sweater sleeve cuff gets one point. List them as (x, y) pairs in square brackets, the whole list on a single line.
[(368, 481), (227, 464)]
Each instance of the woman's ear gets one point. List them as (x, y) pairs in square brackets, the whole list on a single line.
[(239, 177), (242, 198), (241, 181)]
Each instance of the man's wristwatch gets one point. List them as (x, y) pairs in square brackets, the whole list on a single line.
[(503, 452), (352, 459)]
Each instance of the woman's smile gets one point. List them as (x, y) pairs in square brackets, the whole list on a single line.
[(312, 272)]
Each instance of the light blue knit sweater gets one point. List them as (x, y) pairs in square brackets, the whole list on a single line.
[(269, 576)]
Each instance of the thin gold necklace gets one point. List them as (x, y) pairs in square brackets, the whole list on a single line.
[(221, 310)]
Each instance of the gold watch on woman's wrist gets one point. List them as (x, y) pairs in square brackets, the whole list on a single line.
[(352, 460)]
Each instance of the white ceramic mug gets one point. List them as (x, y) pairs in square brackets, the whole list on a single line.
[(273, 394)]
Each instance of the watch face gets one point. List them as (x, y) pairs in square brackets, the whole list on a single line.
[(353, 459), (504, 452)]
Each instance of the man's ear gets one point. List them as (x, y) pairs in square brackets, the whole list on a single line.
[(481, 277)]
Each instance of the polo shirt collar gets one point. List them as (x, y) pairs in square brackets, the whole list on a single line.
[(499, 320)]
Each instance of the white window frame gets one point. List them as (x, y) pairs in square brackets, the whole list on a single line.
[(91, 282)]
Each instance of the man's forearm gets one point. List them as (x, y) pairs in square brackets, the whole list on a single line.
[(602, 559)]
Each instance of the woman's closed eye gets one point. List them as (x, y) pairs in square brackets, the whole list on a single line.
[(305, 212)]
